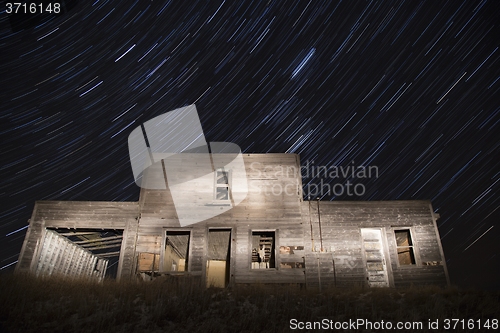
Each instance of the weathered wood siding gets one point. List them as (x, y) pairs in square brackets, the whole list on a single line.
[(60, 256), (341, 223), (272, 203), (320, 270)]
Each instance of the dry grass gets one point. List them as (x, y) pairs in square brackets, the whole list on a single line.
[(54, 305)]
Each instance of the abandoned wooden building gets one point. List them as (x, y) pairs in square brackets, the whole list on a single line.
[(272, 236)]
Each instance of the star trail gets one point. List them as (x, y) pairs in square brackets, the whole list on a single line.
[(408, 86)]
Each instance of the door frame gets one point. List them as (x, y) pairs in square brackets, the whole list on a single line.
[(232, 249), (164, 244), (385, 252)]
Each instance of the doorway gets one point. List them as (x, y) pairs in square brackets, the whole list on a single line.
[(218, 258), (374, 253), (176, 258)]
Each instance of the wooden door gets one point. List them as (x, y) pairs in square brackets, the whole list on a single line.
[(375, 261)]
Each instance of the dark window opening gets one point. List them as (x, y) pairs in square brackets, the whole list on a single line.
[(404, 244), (176, 257), (263, 253)]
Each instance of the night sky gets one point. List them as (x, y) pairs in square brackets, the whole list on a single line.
[(408, 86)]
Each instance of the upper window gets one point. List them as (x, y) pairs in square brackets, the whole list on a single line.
[(404, 245), (222, 185)]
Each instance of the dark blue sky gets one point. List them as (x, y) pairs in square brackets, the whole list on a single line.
[(408, 86)]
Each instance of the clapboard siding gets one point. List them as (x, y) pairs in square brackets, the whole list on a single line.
[(334, 256), (262, 209), (425, 275), (59, 257), (264, 172), (32, 240), (342, 221), (128, 256), (75, 214), (149, 243), (271, 276), (319, 270)]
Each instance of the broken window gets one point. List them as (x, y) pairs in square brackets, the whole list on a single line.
[(404, 245), (222, 185), (263, 254), (176, 256)]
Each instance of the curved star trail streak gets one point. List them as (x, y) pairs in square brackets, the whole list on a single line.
[(409, 86)]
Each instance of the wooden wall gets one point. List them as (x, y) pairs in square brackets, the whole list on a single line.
[(341, 222), (60, 256), (273, 203)]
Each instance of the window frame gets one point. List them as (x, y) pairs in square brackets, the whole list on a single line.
[(228, 186), (232, 251), (413, 247), (164, 244), (276, 252)]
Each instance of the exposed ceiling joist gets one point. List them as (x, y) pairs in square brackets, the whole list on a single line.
[(103, 247), (105, 239)]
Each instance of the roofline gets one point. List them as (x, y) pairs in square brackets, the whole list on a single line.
[(377, 202)]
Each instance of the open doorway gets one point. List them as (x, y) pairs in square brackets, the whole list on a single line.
[(176, 258), (218, 258)]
